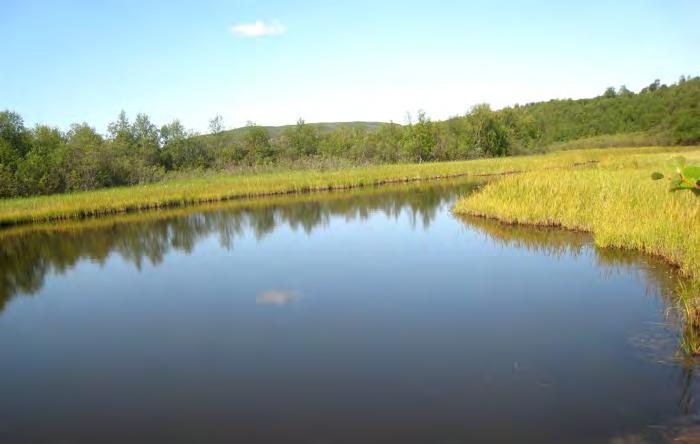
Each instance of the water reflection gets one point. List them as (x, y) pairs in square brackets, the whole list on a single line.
[(660, 279), (423, 327), (28, 254), (277, 297)]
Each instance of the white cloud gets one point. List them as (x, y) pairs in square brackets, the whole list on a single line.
[(259, 29)]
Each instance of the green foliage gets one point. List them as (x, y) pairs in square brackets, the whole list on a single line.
[(44, 160), (301, 140), (685, 177), (216, 125), (14, 135), (180, 150), (419, 140), (489, 134), (257, 144)]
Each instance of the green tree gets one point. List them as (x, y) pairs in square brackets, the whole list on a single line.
[(181, 149), (37, 172), (86, 163), (14, 134), (303, 139), (121, 130), (146, 139), (216, 125), (420, 139), (256, 141), (489, 135)]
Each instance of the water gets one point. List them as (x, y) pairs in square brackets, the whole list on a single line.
[(370, 316)]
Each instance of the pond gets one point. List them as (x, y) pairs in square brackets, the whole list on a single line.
[(345, 317)]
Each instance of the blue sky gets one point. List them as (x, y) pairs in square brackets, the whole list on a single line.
[(73, 61)]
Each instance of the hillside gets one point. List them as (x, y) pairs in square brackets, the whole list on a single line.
[(321, 127), (669, 113)]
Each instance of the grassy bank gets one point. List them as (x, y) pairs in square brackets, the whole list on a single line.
[(616, 201), (213, 188)]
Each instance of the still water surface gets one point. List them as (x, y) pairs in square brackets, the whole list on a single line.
[(370, 316)]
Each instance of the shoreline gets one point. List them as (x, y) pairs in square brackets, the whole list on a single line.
[(220, 188)]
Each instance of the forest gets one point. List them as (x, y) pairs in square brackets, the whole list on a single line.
[(46, 160)]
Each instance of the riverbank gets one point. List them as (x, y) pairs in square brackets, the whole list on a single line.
[(616, 201), (219, 187)]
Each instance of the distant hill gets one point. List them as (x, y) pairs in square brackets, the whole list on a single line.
[(321, 127)]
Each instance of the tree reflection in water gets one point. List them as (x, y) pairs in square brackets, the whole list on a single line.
[(29, 254)]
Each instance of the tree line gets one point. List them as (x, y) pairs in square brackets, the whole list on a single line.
[(46, 160)]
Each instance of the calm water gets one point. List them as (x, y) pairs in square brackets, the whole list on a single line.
[(372, 316)]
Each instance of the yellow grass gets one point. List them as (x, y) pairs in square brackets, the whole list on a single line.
[(616, 201), (213, 188)]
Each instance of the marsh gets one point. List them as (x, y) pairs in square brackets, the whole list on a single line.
[(366, 316)]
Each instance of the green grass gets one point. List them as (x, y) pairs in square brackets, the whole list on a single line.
[(641, 138), (615, 200), (211, 188)]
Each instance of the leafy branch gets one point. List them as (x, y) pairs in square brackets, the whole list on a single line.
[(685, 177)]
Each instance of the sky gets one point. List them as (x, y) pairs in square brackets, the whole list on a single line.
[(273, 62)]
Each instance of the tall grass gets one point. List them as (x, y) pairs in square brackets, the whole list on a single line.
[(636, 139), (622, 208), (210, 188)]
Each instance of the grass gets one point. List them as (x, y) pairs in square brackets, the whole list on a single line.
[(642, 138), (212, 188), (258, 203), (616, 201)]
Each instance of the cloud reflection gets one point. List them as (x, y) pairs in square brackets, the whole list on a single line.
[(277, 297)]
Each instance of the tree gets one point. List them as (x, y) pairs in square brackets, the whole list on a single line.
[(388, 142), (216, 125), (86, 163), (146, 139), (256, 141), (181, 149), (624, 92), (420, 139), (14, 135), (653, 86), (37, 172), (120, 130), (488, 134), (303, 139)]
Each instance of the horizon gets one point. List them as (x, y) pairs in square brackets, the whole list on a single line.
[(338, 63)]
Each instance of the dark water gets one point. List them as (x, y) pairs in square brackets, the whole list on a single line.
[(372, 316)]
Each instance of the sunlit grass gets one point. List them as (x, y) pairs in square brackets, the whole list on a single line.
[(620, 205), (211, 188)]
